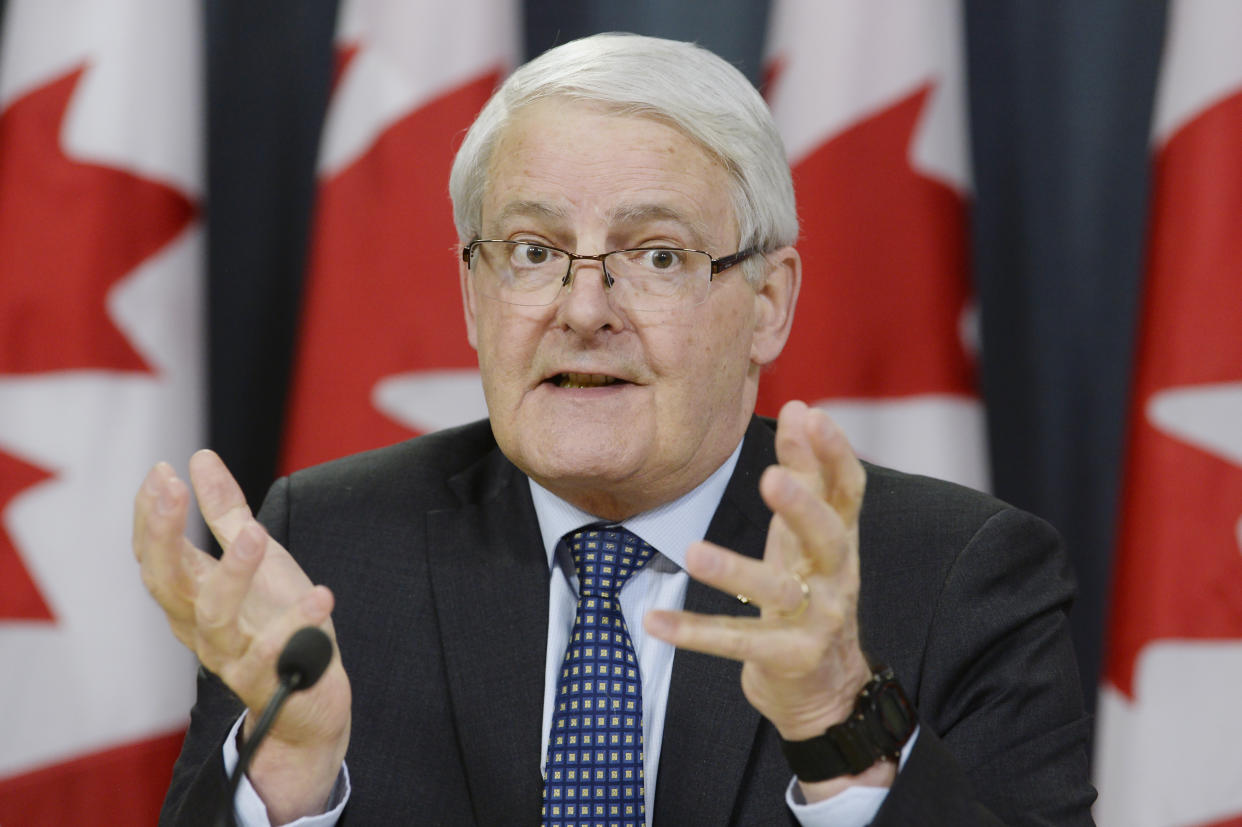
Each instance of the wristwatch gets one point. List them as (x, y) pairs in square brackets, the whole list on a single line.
[(882, 721)]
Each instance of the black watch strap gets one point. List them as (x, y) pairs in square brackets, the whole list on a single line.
[(881, 723)]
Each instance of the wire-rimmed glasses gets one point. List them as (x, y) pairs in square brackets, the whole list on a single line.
[(643, 278)]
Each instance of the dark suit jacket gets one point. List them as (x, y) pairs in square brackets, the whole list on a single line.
[(441, 581)]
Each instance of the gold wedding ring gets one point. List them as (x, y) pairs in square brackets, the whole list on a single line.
[(796, 613), (806, 599)]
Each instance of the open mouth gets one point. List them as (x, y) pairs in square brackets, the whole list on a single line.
[(583, 380)]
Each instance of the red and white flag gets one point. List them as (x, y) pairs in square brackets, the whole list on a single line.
[(1169, 734), (100, 376), (382, 350), (870, 98)]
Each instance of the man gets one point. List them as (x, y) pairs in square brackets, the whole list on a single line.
[(626, 217)]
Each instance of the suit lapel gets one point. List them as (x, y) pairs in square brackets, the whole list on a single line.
[(710, 728), (489, 576)]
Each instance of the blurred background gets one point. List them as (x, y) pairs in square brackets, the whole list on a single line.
[(226, 223)]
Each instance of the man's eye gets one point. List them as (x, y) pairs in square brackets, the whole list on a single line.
[(532, 254), (662, 259)]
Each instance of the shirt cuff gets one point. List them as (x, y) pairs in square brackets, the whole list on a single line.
[(852, 807), (248, 808)]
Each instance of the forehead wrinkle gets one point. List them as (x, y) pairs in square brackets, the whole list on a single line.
[(637, 215), (530, 209)]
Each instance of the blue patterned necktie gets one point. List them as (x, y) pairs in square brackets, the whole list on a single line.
[(594, 772)]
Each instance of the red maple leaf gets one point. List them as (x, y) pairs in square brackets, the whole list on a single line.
[(884, 271), (382, 296), (19, 596), (69, 230), (1178, 573)]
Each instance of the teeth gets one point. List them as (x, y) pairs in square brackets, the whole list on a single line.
[(584, 380)]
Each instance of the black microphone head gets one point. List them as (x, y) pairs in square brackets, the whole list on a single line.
[(305, 657)]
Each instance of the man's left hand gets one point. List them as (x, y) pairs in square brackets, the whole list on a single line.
[(802, 665)]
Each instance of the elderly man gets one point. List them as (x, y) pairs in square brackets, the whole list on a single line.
[(624, 599)]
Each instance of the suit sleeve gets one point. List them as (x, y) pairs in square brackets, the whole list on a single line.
[(199, 783), (1004, 733)]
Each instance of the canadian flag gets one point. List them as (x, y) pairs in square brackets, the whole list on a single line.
[(100, 248), (870, 99), (1169, 731), (382, 350)]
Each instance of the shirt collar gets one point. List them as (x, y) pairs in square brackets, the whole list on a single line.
[(669, 528)]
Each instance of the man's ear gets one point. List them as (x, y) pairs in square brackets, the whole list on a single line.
[(468, 300), (775, 300)]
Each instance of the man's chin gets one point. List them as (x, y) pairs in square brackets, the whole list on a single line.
[(583, 465), (595, 472)]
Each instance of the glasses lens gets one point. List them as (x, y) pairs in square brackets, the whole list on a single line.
[(659, 278), (518, 272)]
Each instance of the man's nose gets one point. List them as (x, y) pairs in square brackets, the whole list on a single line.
[(587, 302)]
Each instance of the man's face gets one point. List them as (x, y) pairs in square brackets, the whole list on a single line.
[(618, 410)]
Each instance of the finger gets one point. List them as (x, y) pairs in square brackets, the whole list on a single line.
[(781, 650), (159, 542), (793, 449), (220, 498), (845, 480), (763, 585), (145, 503), (220, 600), (803, 520)]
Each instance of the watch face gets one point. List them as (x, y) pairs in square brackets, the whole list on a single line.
[(895, 712)]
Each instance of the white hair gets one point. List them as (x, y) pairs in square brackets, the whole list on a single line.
[(681, 84)]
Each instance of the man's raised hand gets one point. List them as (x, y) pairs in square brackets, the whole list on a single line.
[(236, 614)]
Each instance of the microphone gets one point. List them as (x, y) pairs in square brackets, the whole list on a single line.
[(301, 663), (304, 658)]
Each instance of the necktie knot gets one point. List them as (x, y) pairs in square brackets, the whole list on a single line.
[(606, 557)]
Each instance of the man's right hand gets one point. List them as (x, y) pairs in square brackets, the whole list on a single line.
[(236, 614)]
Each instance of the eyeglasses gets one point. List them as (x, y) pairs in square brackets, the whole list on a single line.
[(646, 278)]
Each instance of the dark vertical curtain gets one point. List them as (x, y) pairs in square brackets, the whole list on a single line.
[(732, 28), (1061, 97), (269, 67)]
